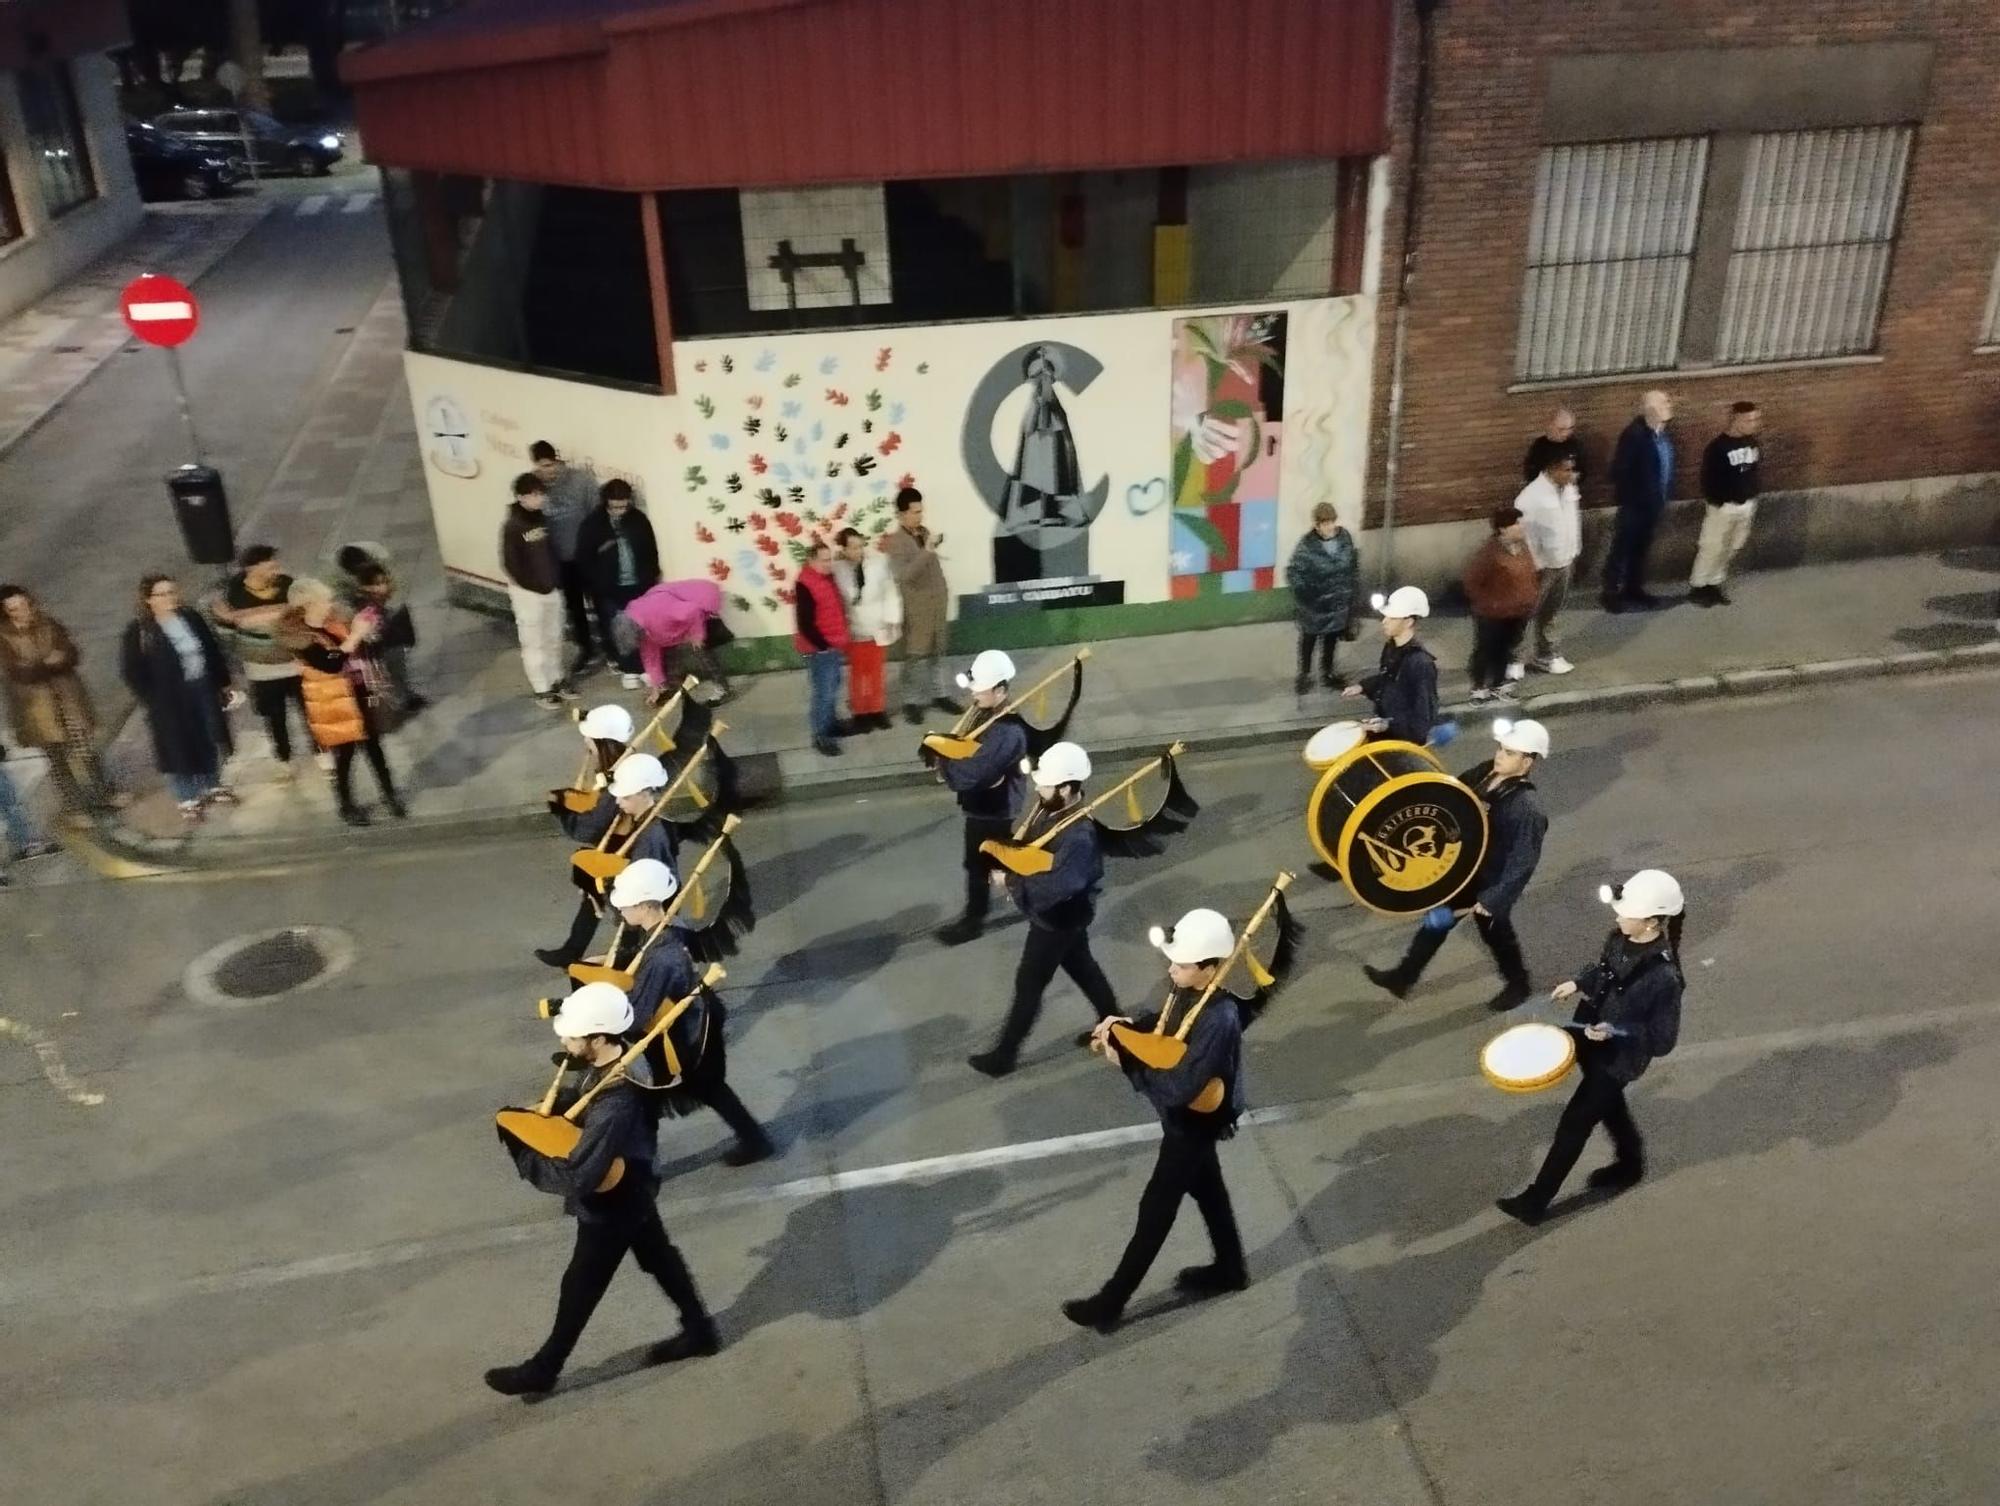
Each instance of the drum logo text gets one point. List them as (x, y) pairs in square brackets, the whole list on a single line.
[(1413, 847)]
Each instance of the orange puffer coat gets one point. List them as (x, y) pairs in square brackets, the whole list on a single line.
[(333, 710)]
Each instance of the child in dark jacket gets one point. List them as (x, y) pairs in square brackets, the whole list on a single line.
[(1502, 587), (1322, 574)]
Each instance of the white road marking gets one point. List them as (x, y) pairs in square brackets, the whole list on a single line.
[(51, 1063), (357, 203), (147, 313), (313, 204)]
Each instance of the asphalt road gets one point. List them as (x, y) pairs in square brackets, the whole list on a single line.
[(88, 509), (270, 1267)]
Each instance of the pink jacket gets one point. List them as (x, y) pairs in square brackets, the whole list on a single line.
[(670, 614)]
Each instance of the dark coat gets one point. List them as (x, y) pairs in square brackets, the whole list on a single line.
[(1404, 691), (1214, 1049), (988, 781), (1635, 470), (1636, 990), (597, 552), (1064, 898), (1515, 827), (182, 741), (1323, 575)]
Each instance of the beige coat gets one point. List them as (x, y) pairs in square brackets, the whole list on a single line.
[(926, 604), (45, 701)]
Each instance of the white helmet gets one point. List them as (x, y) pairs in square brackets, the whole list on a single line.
[(1198, 936), (1649, 892), (594, 1009), (1404, 601), (645, 881), (1522, 737), (613, 724), (637, 773), (990, 668), (1063, 763)]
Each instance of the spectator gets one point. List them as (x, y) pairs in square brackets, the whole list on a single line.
[(913, 560), (1323, 573), (18, 841), (248, 613), (1729, 485), (1642, 479), (820, 636), (620, 560), (1500, 583), (534, 586), (572, 497), (1551, 512), (345, 709), (1558, 440), (46, 701), (391, 635), (174, 665), (874, 621), (675, 617)]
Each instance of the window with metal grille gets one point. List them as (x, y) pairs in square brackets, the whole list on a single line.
[(1610, 250), (55, 138), (1809, 258)]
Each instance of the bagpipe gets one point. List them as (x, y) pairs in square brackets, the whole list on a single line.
[(1155, 1048), (1031, 706), (1403, 835), (687, 800), (582, 794), (1151, 802), (546, 1133)]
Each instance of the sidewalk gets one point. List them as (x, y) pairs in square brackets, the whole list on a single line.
[(484, 754)]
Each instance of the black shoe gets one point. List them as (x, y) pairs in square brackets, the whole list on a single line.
[(1617, 1176), (354, 815), (1211, 1280), (397, 809), (1704, 596), (588, 664), (413, 703), (1513, 996), (1612, 604), (1720, 596), (914, 715), (528, 1379), (1085, 1037), (1645, 601), (1302, 684), (826, 747), (991, 1063), (1333, 682), (846, 728), (692, 1342), (1098, 1312), (1389, 978), (749, 1152), (1523, 1207), (948, 706), (557, 957), (960, 931)]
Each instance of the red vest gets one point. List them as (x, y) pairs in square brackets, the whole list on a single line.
[(829, 612)]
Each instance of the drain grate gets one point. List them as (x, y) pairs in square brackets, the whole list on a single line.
[(273, 965)]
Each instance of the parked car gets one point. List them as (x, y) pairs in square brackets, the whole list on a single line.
[(306, 150), (168, 166)]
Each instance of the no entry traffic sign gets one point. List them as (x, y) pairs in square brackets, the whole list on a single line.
[(159, 310)]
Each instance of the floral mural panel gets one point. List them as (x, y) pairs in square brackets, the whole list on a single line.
[(1228, 421)]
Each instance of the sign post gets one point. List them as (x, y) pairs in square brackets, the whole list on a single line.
[(162, 312)]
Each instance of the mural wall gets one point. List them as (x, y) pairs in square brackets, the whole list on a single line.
[(1039, 447)]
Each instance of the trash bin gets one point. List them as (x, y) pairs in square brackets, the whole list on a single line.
[(201, 507)]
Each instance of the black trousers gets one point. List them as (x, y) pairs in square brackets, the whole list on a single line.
[(1494, 640), (1598, 1099), (271, 697), (576, 602), (978, 866), (609, 605), (583, 927), (1325, 643), (634, 1225), (1043, 953), (1187, 1167), (343, 770), (1631, 542), (709, 1084), (1497, 931)]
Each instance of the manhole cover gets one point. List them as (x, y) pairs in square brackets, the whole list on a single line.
[(269, 965)]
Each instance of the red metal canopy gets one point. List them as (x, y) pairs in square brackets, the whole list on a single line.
[(657, 94)]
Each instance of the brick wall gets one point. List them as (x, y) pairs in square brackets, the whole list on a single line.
[(1930, 406)]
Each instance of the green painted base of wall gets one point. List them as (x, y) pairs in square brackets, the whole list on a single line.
[(1039, 629)]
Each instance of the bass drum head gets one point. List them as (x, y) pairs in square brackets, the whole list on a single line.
[(1528, 1058), (1412, 844), (1329, 745)]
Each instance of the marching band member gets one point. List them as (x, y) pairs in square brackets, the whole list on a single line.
[(1516, 825), (1628, 1012), (1404, 690), (663, 972), (635, 788), (607, 733), (618, 1123), (987, 783), (1060, 905), (1197, 948)]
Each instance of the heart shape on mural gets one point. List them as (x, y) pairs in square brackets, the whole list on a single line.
[(1142, 497)]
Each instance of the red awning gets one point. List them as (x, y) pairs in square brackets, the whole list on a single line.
[(655, 94)]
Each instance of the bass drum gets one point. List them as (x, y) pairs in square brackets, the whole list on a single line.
[(1404, 836)]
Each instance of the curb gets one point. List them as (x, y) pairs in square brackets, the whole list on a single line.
[(114, 855)]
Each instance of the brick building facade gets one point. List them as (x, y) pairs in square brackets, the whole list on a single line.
[(1847, 434)]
